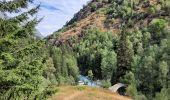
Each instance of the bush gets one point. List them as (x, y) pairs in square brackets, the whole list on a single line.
[(131, 91), (163, 94), (106, 84), (151, 10), (158, 29), (93, 7), (140, 97), (166, 6), (80, 88), (50, 90)]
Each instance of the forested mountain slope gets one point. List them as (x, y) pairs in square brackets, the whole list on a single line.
[(121, 41), (114, 41)]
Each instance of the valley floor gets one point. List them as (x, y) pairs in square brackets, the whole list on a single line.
[(85, 93)]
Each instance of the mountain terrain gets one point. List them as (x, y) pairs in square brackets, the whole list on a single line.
[(108, 41), (118, 41), (96, 13)]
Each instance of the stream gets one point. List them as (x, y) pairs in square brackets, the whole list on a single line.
[(85, 80)]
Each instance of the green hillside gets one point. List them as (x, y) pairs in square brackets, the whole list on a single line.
[(114, 41), (123, 41)]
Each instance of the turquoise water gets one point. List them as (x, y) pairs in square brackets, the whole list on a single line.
[(89, 82)]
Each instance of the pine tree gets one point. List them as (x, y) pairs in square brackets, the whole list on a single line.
[(108, 64), (124, 56), (22, 58), (65, 64)]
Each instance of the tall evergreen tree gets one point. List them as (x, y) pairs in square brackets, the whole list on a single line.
[(124, 56), (22, 60)]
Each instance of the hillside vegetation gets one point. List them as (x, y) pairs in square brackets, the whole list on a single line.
[(114, 41), (23, 58), (122, 41)]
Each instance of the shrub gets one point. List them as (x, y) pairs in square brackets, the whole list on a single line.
[(105, 84), (151, 10), (131, 91), (80, 88), (93, 7), (158, 29)]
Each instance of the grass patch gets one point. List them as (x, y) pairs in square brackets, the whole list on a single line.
[(80, 88), (91, 95)]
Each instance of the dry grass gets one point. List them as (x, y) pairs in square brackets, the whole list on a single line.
[(153, 2), (86, 93), (98, 20), (93, 19)]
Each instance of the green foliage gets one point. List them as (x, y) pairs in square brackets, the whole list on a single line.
[(138, 56), (108, 64), (95, 53), (124, 56), (90, 74), (13, 6), (150, 68), (158, 29), (22, 58), (166, 5), (131, 91), (105, 84), (158, 25), (65, 64), (151, 10), (142, 52), (80, 88), (163, 66), (93, 7), (163, 95)]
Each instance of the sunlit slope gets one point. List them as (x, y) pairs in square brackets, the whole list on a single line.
[(103, 19), (85, 93)]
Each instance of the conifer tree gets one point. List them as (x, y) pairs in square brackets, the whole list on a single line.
[(124, 56), (22, 60)]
